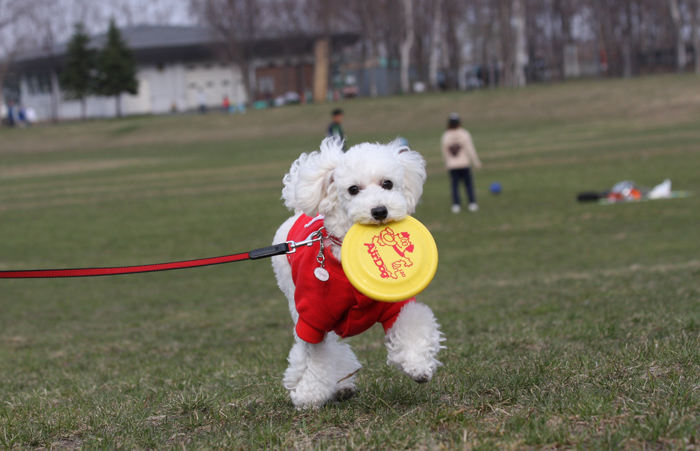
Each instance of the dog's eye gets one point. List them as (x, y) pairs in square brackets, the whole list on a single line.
[(353, 190), (387, 184)]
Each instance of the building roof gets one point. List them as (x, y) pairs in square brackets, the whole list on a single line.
[(139, 38), (159, 43)]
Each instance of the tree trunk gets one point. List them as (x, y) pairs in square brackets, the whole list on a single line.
[(321, 69), (559, 41), (489, 54), (435, 44), (607, 34), (83, 108), (369, 46), (55, 96), (3, 71), (680, 44), (453, 47), (567, 56), (626, 58), (696, 37), (244, 66), (118, 100), (370, 71), (507, 43), (407, 45), (628, 44), (520, 59), (491, 60)]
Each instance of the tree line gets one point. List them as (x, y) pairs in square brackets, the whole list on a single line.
[(512, 41)]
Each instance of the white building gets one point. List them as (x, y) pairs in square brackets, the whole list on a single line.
[(177, 68)]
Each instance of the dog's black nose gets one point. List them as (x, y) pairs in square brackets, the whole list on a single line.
[(379, 213)]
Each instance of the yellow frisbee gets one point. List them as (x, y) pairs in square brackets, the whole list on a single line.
[(390, 262)]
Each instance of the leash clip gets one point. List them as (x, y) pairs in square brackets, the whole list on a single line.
[(316, 236)]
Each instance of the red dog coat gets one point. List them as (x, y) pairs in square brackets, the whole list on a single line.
[(334, 305)]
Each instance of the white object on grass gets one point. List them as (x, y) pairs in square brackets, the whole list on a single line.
[(661, 191)]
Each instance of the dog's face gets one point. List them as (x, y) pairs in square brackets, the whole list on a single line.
[(370, 184)]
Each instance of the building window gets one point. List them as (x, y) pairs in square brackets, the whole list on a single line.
[(160, 67), (210, 84), (39, 83), (191, 67), (224, 83)]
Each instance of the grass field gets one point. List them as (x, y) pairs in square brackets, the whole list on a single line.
[(568, 325)]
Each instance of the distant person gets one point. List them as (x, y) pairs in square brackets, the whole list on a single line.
[(335, 129), (21, 116), (460, 155), (226, 104), (10, 113), (202, 100)]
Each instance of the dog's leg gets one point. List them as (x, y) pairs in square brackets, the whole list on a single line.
[(346, 367), (414, 341), (318, 373)]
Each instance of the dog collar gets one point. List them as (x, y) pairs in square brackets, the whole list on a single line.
[(335, 240)]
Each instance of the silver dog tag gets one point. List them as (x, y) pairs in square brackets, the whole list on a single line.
[(321, 274)]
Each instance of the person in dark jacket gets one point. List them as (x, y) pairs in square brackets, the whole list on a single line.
[(10, 113), (335, 129)]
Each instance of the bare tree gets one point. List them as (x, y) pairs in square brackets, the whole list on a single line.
[(455, 23), (520, 58), (15, 33), (487, 16), (680, 43), (696, 36), (236, 24), (136, 12), (126, 12), (562, 40), (407, 44), (435, 43), (12, 10), (368, 20)]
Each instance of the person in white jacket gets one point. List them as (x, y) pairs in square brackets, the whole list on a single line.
[(460, 155)]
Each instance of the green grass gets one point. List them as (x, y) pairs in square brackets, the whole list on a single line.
[(568, 325)]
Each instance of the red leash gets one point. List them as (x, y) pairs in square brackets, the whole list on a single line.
[(270, 251)]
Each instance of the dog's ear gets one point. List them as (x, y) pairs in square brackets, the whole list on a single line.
[(315, 177), (414, 173)]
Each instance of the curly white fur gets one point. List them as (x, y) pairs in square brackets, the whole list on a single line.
[(318, 183), (414, 341)]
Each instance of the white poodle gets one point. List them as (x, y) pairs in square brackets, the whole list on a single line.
[(370, 184)]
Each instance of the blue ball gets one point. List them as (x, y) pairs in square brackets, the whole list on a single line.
[(495, 188)]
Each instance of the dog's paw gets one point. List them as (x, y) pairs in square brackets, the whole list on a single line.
[(345, 393), (312, 393), (308, 401), (419, 373), (422, 378)]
